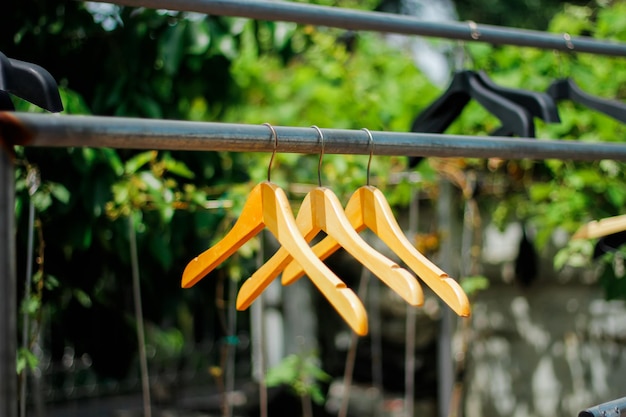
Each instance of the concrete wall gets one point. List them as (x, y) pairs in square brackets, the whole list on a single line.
[(551, 349)]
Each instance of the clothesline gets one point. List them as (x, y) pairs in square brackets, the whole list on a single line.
[(44, 130), (382, 22)]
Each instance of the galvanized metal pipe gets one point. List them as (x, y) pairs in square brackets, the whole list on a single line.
[(382, 22), (8, 285), (45, 130)]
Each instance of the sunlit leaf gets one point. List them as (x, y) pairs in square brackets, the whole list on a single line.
[(178, 167), (59, 192), (138, 161)]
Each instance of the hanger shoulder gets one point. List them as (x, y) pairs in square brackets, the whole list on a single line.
[(30, 82), (538, 104), (249, 223), (612, 108), (331, 218), (261, 278), (600, 228), (286, 231), (567, 89), (326, 247), (378, 217), (440, 114), (513, 116), (323, 249), (281, 260)]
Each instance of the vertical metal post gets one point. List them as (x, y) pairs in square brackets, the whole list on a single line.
[(411, 317), (8, 303), (444, 357)]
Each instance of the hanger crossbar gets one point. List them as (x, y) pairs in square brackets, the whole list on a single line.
[(43, 130), (382, 22)]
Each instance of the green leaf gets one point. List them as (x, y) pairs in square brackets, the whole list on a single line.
[(177, 167), (113, 159), (82, 297), (42, 201), (26, 359), (153, 185), (31, 306), (473, 284), (540, 191), (51, 282), (73, 103), (138, 161), (285, 372), (616, 194), (59, 192)]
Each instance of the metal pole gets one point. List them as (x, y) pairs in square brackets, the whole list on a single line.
[(445, 364), (116, 132), (8, 304), (411, 318), (382, 22)]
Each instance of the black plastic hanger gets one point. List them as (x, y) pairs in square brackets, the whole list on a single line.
[(566, 89), (5, 101), (466, 85), (537, 104), (29, 82)]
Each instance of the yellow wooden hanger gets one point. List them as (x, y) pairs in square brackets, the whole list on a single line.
[(268, 206), (600, 228), (322, 211), (369, 208)]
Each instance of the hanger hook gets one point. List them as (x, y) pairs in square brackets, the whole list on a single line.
[(369, 161), (275, 137), (319, 165)]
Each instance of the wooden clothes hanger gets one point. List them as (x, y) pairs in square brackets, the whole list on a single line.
[(322, 211), (601, 228), (369, 208), (268, 207)]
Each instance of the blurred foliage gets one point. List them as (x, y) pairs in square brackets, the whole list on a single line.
[(529, 14), (118, 61), (302, 374), (144, 63), (557, 194)]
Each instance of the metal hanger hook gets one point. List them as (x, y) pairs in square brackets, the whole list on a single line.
[(319, 164), (275, 137), (369, 161)]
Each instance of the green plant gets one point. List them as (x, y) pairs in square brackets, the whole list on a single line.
[(302, 374)]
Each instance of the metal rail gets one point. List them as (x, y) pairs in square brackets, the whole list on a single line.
[(44, 130), (382, 22), (613, 408)]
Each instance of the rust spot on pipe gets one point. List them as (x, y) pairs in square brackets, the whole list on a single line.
[(13, 132)]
